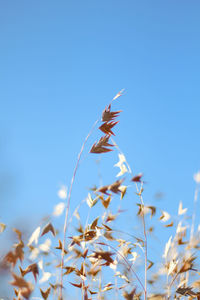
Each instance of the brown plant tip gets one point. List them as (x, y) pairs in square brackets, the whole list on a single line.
[(94, 223), (108, 116), (19, 234), (13, 256), (137, 178), (129, 296), (104, 190), (59, 247), (187, 265), (106, 201), (169, 225), (150, 264), (105, 255), (187, 291), (114, 187), (78, 285), (18, 281), (45, 294), (25, 288), (31, 268), (101, 146), (110, 217), (69, 270), (92, 293), (107, 126), (56, 286), (47, 228)]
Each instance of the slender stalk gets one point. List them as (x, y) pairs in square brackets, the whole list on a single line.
[(70, 191), (68, 205), (145, 243), (193, 223), (171, 283), (144, 226), (100, 285), (116, 289), (126, 261), (194, 212)]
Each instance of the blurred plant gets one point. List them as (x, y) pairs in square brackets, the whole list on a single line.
[(98, 259)]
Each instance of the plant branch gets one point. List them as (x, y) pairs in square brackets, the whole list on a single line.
[(126, 261), (68, 204), (143, 222), (145, 242), (70, 191)]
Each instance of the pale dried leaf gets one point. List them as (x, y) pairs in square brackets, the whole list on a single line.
[(172, 266), (2, 227), (34, 253), (45, 247), (119, 94), (165, 216), (46, 276), (34, 237), (90, 201), (121, 165), (167, 247), (181, 210)]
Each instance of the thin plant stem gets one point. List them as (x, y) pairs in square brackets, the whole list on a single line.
[(143, 222), (194, 212), (116, 289), (193, 222), (145, 242), (69, 195), (126, 261), (175, 277), (100, 285), (68, 204)]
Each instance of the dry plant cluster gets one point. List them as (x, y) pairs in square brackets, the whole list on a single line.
[(97, 259)]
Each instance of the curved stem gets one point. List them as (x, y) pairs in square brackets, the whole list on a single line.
[(126, 261), (70, 191), (145, 243), (143, 222), (68, 205)]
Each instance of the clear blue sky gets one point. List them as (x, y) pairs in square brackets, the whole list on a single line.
[(61, 62)]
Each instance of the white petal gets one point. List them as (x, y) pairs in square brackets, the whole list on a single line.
[(180, 228), (45, 277), (58, 209), (197, 177), (135, 256), (62, 193), (165, 216), (34, 254), (122, 160), (34, 237), (118, 94), (167, 246), (172, 266), (181, 211), (2, 228), (91, 202), (40, 264), (45, 246), (123, 170)]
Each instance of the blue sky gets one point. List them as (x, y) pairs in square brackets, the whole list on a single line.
[(61, 64)]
